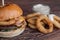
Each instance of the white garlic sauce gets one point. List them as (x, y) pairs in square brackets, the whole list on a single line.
[(51, 17), (43, 9)]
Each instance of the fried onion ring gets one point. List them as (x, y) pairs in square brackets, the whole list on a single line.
[(55, 20), (31, 23), (32, 20), (41, 27), (7, 22), (32, 15), (32, 26)]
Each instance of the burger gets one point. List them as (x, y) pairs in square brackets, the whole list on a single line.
[(12, 23)]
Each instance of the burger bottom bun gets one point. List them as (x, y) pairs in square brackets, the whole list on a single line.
[(13, 33)]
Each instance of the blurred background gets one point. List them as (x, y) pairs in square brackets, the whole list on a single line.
[(31, 34)]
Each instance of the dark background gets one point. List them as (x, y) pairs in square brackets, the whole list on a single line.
[(30, 34)]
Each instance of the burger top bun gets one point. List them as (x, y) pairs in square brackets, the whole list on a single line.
[(10, 11)]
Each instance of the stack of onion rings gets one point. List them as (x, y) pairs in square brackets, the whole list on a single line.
[(34, 22), (31, 19), (39, 21)]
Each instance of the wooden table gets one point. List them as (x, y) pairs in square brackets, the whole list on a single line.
[(30, 34)]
